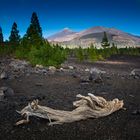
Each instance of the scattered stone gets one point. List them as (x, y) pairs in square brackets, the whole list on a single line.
[(28, 129), (39, 66), (61, 69), (71, 67), (90, 77), (18, 64), (44, 71), (22, 98), (87, 70), (132, 96), (74, 75), (8, 92), (136, 112), (135, 72), (39, 69), (42, 129), (95, 75), (28, 74), (136, 77), (84, 83), (13, 131), (52, 68), (1, 95), (104, 93), (99, 80), (108, 77), (39, 84), (39, 97), (64, 67), (95, 70), (3, 75), (122, 77), (84, 79)]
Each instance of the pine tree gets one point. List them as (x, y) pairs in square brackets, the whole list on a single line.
[(14, 36), (34, 30), (105, 43), (1, 35), (80, 54), (113, 45), (35, 24)]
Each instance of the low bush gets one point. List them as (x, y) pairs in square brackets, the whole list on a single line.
[(45, 55), (94, 54)]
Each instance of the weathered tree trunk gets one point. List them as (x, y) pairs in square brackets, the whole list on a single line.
[(87, 107)]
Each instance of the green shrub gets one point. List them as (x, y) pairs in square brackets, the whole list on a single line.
[(94, 54), (46, 55), (80, 54)]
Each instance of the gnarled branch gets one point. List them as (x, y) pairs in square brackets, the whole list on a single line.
[(90, 106)]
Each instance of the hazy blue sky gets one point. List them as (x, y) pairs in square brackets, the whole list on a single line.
[(55, 15)]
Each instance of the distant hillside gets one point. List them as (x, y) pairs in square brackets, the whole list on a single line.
[(94, 36), (62, 34)]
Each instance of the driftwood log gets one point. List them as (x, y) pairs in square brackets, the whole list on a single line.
[(90, 106)]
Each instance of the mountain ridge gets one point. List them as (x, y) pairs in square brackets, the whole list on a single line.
[(94, 36)]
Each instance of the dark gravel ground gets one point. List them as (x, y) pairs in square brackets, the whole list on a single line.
[(59, 91)]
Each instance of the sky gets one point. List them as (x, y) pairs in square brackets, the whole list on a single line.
[(54, 15)]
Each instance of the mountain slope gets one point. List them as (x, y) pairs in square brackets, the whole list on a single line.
[(94, 36), (62, 34)]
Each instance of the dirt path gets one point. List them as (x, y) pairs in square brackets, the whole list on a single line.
[(58, 91)]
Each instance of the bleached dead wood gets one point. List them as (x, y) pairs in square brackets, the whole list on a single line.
[(90, 106)]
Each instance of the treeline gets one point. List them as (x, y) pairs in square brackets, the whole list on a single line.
[(32, 46), (94, 54)]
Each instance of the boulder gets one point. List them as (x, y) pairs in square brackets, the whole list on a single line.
[(136, 112), (52, 68), (71, 67), (87, 70), (135, 72), (39, 66), (18, 64), (96, 70), (8, 92), (62, 70), (3, 75), (1, 95), (84, 79), (75, 75), (39, 84), (95, 75)]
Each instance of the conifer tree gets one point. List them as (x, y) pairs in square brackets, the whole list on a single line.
[(34, 31), (14, 36), (1, 35), (35, 23), (80, 54), (105, 43)]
